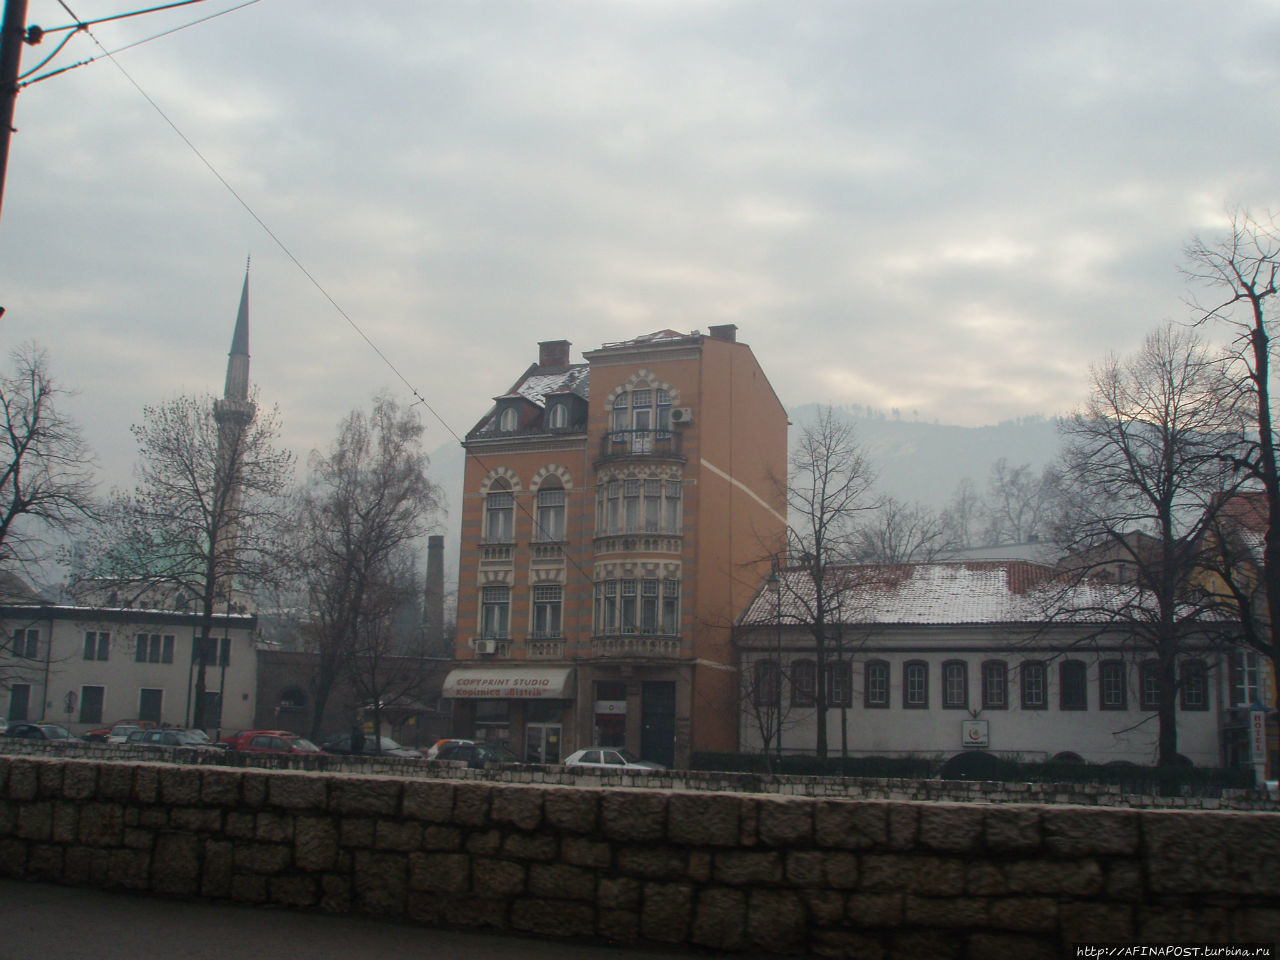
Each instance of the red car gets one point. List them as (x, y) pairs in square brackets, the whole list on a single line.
[(270, 741)]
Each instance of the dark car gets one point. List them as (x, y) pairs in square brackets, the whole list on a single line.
[(173, 738), (370, 748), (476, 755), (38, 731)]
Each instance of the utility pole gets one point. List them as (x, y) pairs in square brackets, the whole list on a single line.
[(12, 33)]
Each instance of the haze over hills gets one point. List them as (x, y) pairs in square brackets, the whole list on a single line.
[(916, 461)]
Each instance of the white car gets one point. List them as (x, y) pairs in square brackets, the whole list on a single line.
[(608, 758)]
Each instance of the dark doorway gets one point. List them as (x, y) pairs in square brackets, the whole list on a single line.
[(658, 722)]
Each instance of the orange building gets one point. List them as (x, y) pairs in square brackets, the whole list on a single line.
[(617, 514)]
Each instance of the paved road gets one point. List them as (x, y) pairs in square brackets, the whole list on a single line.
[(46, 922)]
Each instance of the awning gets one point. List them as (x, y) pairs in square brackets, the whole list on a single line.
[(509, 683)]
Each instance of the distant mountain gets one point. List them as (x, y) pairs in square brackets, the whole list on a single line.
[(923, 462), (917, 461)]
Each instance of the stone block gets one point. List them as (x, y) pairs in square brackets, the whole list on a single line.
[(897, 873), (1256, 925), (381, 882), (357, 832), (747, 867), (135, 839), (1059, 878), (776, 921), (1171, 924), (840, 869), (874, 909), (365, 796), (24, 780), (479, 912), (249, 888), (951, 827), (220, 788), (335, 893), (485, 844), (666, 912), (1089, 832), (1013, 945), (617, 893), (720, 919), (85, 866), (35, 820), (293, 891), (1124, 880), (1024, 914), (748, 821), (429, 801), (196, 819), (704, 819), (180, 786), (530, 846), (115, 781), (652, 863), (931, 945), (904, 825), (804, 868), (66, 819), (315, 843), (516, 805), (80, 781), (175, 865), (496, 878), (436, 837), (394, 835), (1011, 829), (49, 775), (957, 912), (297, 791), (427, 908), (826, 907), (586, 853), (471, 804), (634, 816), (252, 857), (784, 821), (217, 870), (561, 881), (129, 869), (13, 858), (253, 788), (1093, 922), (572, 810), (559, 918), (841, 944), (153, 818), (618, 926), (698, 868), (440, 872)]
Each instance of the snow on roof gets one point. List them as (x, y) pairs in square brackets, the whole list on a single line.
[(980, 592), (536, 387)]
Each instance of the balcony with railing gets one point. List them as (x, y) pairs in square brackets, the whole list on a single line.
[(661, 444)]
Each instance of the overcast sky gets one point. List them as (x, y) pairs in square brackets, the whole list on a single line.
[(949, 208)]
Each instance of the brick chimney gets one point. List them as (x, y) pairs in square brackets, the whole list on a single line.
[(724, 331), (553, 353), (433, 600)]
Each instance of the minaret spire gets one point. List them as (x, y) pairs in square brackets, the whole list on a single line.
[(237, 386)]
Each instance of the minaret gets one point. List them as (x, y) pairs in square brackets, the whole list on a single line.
[(233, 414)]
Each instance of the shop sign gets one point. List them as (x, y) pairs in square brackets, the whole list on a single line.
[(973, 733), (611, 708), (511, 684)]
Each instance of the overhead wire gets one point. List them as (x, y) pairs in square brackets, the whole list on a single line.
[(419, 398)]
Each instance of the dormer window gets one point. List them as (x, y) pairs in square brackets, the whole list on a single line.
[(508, 420), (558, 416)]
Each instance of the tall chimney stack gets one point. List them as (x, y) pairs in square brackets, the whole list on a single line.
[(433, 599)]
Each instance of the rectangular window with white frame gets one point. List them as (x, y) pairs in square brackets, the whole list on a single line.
[(97, 644), (547, 603), (955, 685), (495, 613), (1112, 685)]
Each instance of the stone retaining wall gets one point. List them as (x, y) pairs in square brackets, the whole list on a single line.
[(732, 872)]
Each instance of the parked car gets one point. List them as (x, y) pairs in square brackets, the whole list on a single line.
[(38, 731), (609, 758), (370, 748), (118, 732), (269, 741), (433, 751), (476, 755), (173, 737)]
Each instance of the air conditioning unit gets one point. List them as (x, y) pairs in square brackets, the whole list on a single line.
[(682, 415), (486, 646)]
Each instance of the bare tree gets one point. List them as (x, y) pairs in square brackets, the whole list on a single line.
[(46, 471), (1019, 502), (961, 515), (366, 501), (1239, 273), (829, 488), (1144, 478), (204, 515), (902, 533)]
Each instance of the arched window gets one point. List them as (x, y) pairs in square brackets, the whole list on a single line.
[(551, 501), (1113, 688), (839, 684), (1073, 692), (876, 688), (915, 685), (508, 419), (803, 683), (995, 685), (499, 521), (558, 416), (955, 685), (1034, 681), (765, 683)]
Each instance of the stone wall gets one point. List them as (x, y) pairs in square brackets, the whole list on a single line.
[(733, 872)]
